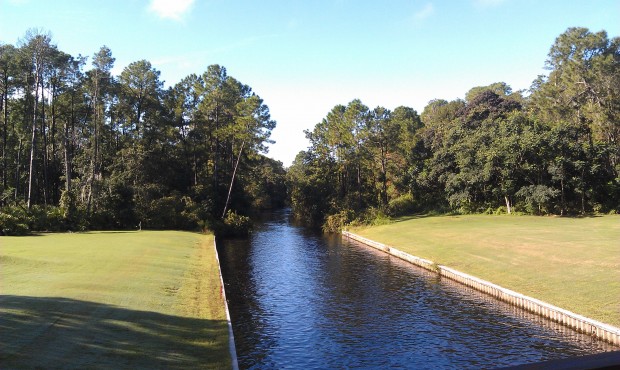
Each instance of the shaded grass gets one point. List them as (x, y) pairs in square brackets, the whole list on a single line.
[(147, 299), (573, 263)]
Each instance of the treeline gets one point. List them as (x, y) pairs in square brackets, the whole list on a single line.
[(551, 150), (83, 149)]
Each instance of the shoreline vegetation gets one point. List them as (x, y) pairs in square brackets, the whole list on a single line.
[(552, 149), (83, 148), (573, 263), (114, 299)]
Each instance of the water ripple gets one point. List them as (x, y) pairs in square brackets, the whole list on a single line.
[(302, 300)]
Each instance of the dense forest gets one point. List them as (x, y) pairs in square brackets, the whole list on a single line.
[(551, 150), (83, 149)]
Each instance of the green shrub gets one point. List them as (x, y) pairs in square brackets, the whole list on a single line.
[(233, 225), (336, 222), (372, 216), (47, 218), (116, 208), (537, 198), (12, 225), (401, 205), (68, 205), (55, 219), (380, 218)]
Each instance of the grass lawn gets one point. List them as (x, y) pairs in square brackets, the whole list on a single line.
[(148, 299), (573, 263)]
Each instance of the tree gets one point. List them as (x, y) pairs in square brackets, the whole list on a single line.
[(111, 152), (100, 83), (71, 104), (391, 139), (7, 88), (37, 48), (357, 157), (252, 128), (499, 88), (582, 90), (141, 92), (407, 152), (312, 184)]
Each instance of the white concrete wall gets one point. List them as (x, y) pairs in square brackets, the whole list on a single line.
[(608, 333), (231, 338)]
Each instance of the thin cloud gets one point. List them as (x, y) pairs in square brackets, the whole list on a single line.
[(293, 23), (171, 9), (488, 3), (425, 12)]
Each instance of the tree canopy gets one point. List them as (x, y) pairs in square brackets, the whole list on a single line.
[(82, 148), (551, 150)]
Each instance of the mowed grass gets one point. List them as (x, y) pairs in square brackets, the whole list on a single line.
[(573, 263), (148, 299)]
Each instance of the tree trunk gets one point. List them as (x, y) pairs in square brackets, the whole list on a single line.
[(384, 196), (232, 180), (4, 136), (65, 144), (44, 150), (67, 160), (216, 153), (55, 165), (33, 140), (17, 166), (562, 201), (508, 209), (583, 191), (5, 112), (95, 153)]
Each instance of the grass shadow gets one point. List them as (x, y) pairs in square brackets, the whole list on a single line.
[(52, 332), (423, 215)]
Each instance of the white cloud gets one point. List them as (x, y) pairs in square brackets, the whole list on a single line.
[(425, 12), (172, 9), (488, 3), (293, 23)]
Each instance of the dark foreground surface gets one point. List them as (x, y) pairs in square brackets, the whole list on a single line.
[(302, 300)]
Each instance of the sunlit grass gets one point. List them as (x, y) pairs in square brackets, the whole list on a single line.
[(573, 263), (114, 299)]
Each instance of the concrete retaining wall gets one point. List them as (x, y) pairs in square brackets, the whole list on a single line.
[(580, 323), (231, 338)]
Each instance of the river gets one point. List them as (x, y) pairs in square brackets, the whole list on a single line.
[(302, 300)]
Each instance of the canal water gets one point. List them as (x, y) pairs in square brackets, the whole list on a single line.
[(302, 300)]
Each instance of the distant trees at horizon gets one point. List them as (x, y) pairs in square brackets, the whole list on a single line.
[(555, 150), (81, 148)]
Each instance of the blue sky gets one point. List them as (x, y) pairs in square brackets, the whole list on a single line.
[(305, 56)]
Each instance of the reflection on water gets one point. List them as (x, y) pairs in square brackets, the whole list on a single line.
[(303, 300)]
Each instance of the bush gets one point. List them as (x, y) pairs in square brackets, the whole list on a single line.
[(233, 225), (116, 208), (537, 198), (171, 212), (68, 206), (55, 219), (401, 206), (47, 218), (376, 217), (12, 225), (336, 222)]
